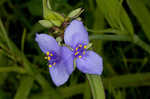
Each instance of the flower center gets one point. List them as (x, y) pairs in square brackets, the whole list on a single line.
[(80, 50), (52, 58)]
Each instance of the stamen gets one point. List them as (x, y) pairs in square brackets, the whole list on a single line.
[(80, 45), (49, 58), (54, 63), (76, 53), (83, 52), (80, 50), (47, 53), (76, 48), (51, 54), (80, 56), (85, 46), (50, 65)]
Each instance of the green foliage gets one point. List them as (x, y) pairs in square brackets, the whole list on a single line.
[(116, 15), (24, 88), (35, 7), (118, 30), (142, 14), (96, 86)]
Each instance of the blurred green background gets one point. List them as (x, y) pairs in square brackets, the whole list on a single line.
[(118, 29)]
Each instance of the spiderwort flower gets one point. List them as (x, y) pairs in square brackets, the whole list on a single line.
[(59, 66), (76, 37)]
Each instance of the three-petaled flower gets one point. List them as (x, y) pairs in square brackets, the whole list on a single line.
[(76, 37), (61, 59), (57, 58)]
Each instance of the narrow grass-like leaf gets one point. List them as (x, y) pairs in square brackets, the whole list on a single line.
[(128, 80), (96, 86), (72, 90), (30, 68), (142, 14), (110, 37), (24, 88), (23, 40), (87, 91), (12, 69), (4, 34), (116, 15), (136, 40)]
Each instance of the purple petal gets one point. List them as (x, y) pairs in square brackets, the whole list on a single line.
[(75, 33), (47, 43), (67, 56), (59, 74), (92, 63)]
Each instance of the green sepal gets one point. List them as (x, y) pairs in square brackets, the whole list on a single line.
[(59, 40), (54, 17), (46, 23), (75, 13), (89, 45)]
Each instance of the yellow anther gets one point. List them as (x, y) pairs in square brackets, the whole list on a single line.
[(49, 58), (80, 45), (47, 53), (76, 48), (76, 53), (50, 65), (83, 52), (54, 63), (80, 56), (85, 46), (51, 54)]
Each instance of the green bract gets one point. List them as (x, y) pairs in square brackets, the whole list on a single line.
[(46, 23), (75, 13)]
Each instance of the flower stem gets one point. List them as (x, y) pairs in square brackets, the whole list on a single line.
[(46, 6), (96, 86)]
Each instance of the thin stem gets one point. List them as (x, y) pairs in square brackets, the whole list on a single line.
[(110, 37), (5, 34), (136, 40), (141, 43), (12, 69), (46, 7), (23, 40), (128, 80), (109, 30)]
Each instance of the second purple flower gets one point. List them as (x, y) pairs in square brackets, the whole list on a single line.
[(76, 37)]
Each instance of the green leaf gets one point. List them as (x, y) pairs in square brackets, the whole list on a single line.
[(4, 95), (136, 40), (116, 15), (24, 88), (35, 7), (23, 40), (96, 86), (128, 80), (29, 68), (40, 96), (72, 90), (142, 14)]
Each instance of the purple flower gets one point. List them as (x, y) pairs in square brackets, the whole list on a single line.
[(59, 66), (76, 37)]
